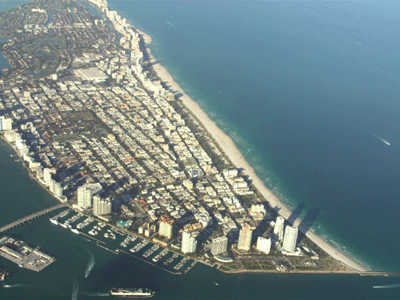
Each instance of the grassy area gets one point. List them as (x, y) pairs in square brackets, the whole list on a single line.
[(66, 138), (84, 116), (45, 53)]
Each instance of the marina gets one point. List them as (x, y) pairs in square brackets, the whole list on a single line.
[(143, 249)]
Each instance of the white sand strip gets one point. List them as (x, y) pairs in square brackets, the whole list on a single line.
[(230, 149)]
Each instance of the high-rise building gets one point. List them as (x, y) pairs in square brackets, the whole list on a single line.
[(84, 197), (189, 242), (166, 227), (5, 123), (219, 245), (47, 176), (101, 206), (263, 244), (289, 242), (279, 226), (245, 238), (58, 191), (52, 185)]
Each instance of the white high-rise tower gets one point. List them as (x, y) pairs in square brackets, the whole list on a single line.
[(290, 240), (189, 243), (84, 197), (47, 176), (5, 123), (279, 226), (101, 206), (219, 245)]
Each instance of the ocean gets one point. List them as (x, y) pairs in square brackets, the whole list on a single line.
[(308, 91), (305, 103)]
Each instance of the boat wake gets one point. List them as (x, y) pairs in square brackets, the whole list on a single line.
[(388, 286), (96, 294), (90, 264), (170, 24), (75, 289), (15, 285), (381, 139)]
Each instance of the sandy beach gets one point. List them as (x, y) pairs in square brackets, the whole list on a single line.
[(230, 149)]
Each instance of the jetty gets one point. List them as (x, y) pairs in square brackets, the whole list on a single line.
[(31, 217)]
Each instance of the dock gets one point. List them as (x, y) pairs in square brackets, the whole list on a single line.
[(23, 255)]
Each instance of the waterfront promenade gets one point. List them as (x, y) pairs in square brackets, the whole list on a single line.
[(31, 217)]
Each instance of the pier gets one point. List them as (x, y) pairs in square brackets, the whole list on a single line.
[(31, 217)]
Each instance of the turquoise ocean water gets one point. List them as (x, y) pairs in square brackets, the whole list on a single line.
[(307, 91), (312, 144)]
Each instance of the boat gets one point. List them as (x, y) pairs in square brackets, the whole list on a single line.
[(54, 221), (3, 275), (64, 225), (74, 230), (131, 293), (7, 285)]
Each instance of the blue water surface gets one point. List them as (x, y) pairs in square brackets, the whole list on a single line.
[(309, 92)]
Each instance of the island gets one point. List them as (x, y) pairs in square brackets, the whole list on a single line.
[(105, 128)]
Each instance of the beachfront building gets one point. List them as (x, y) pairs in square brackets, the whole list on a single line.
[(47, 177), (101, 206), (264, 244), (279, 227), (58, 190), (166, 227), (84, 197), (289, 242), (245, 236), (55, 188), (189, 242), (5, 123), (219, 245)]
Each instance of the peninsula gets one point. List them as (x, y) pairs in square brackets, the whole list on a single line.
[(106, 129)]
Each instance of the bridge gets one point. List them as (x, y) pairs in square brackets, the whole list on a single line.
[(31, 217)]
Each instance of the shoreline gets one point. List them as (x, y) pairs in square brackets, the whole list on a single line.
[(30, 172), (233, 153)]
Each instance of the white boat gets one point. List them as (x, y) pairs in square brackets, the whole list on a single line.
[(64, 225), (54, 221), (7, 285), (74, 230)]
